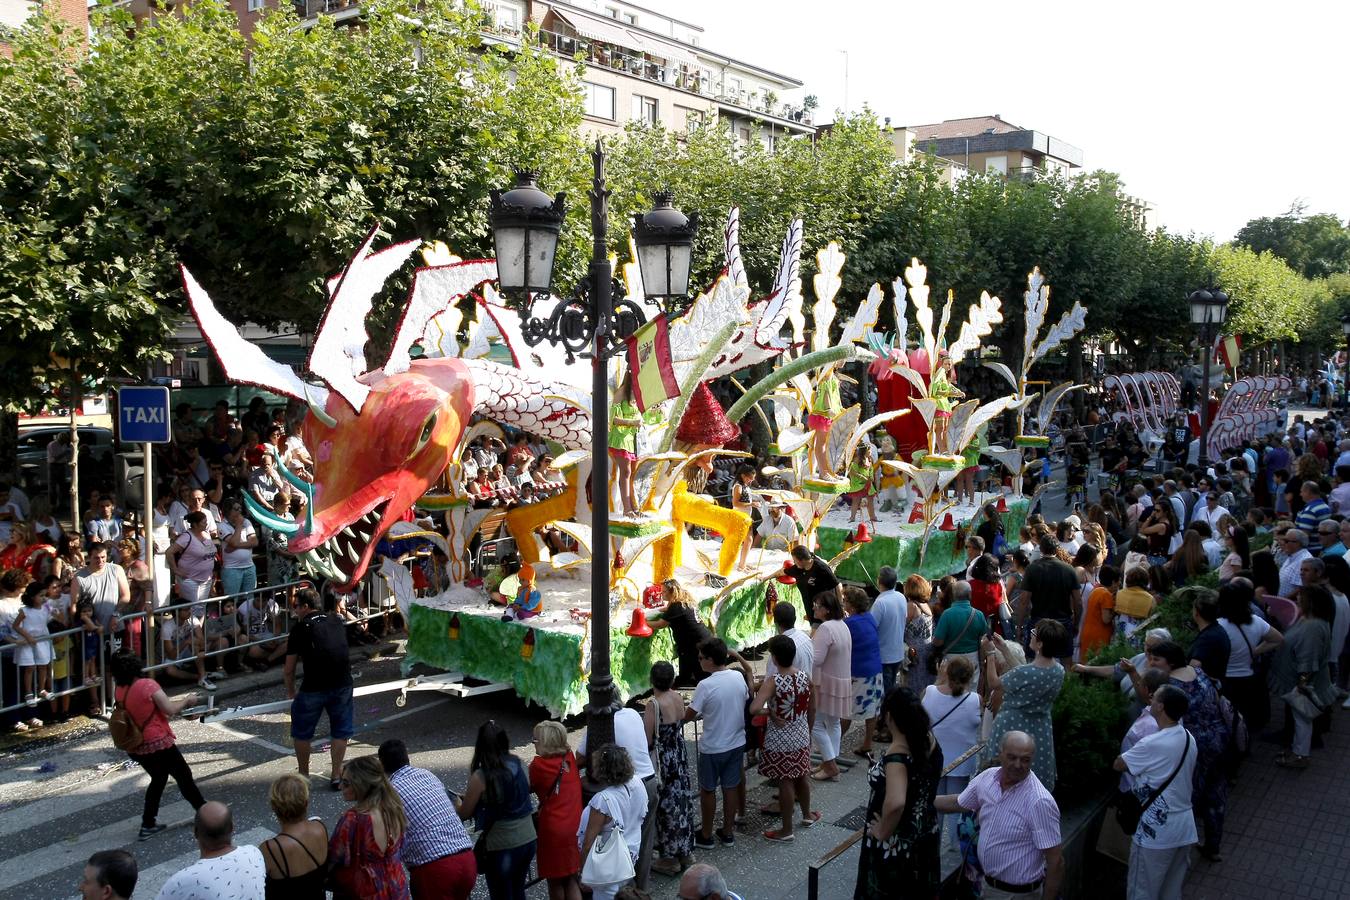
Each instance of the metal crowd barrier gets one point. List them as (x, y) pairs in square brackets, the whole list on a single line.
[(369, 605)]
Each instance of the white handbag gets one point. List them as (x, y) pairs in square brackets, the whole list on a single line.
[(609, 861)]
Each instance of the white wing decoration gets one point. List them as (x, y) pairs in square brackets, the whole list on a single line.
[(1037, 302), (723, 303), (915, 275), (901, 325), (1010, 459), (785, 302), (436, 290), (843, 426), (578, 532), (339, 352), (399, 580), (865, 428), (1007, 373), (546, 361), (1051, 400), (1069, 324), (829, 262), (926, 407), (913, 377), (985, 414), (243, 361), (732, 238), (924, 481), (792, 439), (980, 322), (956, 427)]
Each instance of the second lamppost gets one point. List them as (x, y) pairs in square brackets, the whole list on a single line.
[(526, 224), (1209, 309)]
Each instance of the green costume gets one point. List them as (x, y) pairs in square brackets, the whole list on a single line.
[(941, 390), (825, 398), (623, 437)]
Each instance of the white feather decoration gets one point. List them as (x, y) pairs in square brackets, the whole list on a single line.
[(843, 426), (926, 408), (829, 263), (1037, 298), (941, 334), (862, 321), (985, 414), (956, 427), (785, 302), (732, 235), (913, 377), (915, 275), (1070, 324), (1047, 407), (866, 428), (1007, 373), (979, 323), (901, 325)]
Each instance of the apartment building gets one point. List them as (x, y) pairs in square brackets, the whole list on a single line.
[(988, 144), (14, 13)]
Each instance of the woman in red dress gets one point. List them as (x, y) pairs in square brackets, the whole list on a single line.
[(554, 779), (365, 852)]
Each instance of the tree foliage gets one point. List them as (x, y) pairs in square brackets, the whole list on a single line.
[(1314, 246)]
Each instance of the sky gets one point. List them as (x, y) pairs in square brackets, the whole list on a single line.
[(1213, 112)]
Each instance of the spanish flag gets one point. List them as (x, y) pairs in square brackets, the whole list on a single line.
[(650, 364), (1229, 349)]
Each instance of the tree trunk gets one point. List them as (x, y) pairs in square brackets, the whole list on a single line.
[(1076, 376), (9, 441)]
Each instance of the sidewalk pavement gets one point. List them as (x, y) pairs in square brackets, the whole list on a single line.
[(1287, 835)]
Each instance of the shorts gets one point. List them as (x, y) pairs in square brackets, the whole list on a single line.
[(720, 769), (308, 706), (819, 424), (620, 453), (91, 642)]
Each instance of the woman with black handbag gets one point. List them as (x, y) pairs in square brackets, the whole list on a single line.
[(498, 798), (1300, 673)]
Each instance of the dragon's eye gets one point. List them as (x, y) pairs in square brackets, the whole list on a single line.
[(427, 429)]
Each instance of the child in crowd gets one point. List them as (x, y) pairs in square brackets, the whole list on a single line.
[(34, 655)]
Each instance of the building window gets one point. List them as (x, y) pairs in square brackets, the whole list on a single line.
[(508, 18), (644, 110), (256, 5), (612, 12), (693, 118), (997, 164), (744, 135), (599, 100), (630, 18)]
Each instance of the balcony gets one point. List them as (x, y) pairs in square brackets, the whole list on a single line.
[(307, 9), (680, 76)]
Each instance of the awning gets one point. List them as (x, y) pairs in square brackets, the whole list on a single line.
[(600, 28)]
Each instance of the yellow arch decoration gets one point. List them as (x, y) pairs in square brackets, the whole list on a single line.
[(523, 520), (687, 508)]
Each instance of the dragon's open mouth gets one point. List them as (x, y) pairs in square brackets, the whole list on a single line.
[(343, 557)]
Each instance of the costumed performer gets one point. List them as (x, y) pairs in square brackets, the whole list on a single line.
[(680, 615), (862, 484), (965, 480), (825, 408), (624, 422), (742, 500), (942, 389), (528, 602)]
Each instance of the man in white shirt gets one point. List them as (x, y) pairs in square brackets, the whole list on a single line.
[(785, 620), (778, 529), (224, 872), (720, 700), (1214, 549), (1210, 512), (890, 610), (1295, 546), (1162, 766), (630, 733)]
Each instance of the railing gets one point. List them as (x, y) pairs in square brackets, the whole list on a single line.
[(694, 80), (308, 8), (140, 627), (813, 871)]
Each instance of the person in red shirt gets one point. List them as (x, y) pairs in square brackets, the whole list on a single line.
[(986, 591)]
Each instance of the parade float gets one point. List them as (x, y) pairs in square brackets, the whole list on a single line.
[(388, 444)]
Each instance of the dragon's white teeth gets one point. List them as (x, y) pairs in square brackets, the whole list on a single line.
[(352, 554), (348, 532), (363, 537)]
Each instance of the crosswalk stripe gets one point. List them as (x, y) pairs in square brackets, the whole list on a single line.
[(17, 869), (65, 801), (150, 880)]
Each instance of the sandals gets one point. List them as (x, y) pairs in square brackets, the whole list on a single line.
[(821, 776), (811, 820), (778, 837)]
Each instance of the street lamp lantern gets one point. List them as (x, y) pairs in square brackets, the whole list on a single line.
[(1345, 325), (1209, 307), (665, 247), (525, 225)]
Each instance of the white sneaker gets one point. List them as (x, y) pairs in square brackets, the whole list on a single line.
[(206, 684), (1345, 704)]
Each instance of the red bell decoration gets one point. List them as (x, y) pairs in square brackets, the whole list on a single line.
[(783, 576), (454, 627), (916, 514), (862, 536), (947, 524), (527, 645), (1002, 504), (639, 628)]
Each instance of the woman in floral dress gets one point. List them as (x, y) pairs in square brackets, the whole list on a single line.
[(899, 855), (918, 631), (664, 717), (365, 852), (786, 698), (1024, 696)]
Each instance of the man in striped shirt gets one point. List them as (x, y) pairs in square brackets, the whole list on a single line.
[(1019, 824)]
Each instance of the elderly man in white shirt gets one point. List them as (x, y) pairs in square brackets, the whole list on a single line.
[(1294, 543), (778, 528), (1209, 511)]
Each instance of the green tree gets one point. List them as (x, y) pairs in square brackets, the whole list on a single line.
[(1314, 246)]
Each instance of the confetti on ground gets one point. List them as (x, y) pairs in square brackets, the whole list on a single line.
[(47, 768)]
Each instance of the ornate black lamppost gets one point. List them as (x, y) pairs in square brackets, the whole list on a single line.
[(1209, 309)]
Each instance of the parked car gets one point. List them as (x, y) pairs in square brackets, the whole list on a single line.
[(96, 452)]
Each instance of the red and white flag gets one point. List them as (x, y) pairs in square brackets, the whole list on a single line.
[(1227, 350)]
